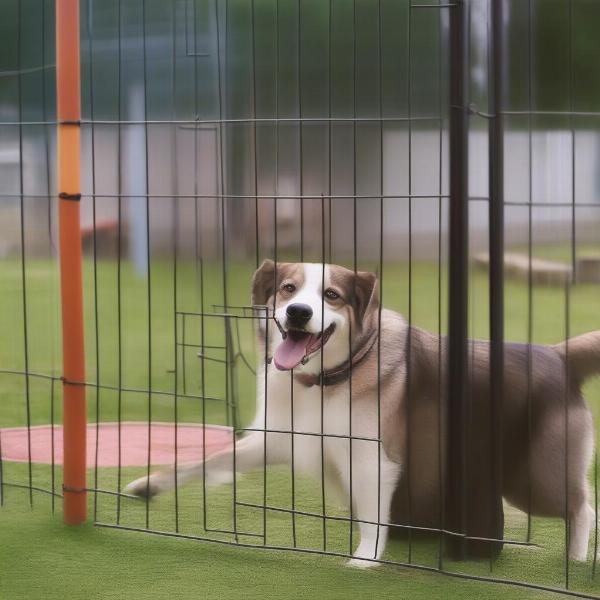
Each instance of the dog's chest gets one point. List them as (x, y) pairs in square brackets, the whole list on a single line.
[(312, 409), (321, 420)]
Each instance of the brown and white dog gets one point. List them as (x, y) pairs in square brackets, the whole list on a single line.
[(336, 367)]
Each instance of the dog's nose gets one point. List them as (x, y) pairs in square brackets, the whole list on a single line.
[(299, 314)]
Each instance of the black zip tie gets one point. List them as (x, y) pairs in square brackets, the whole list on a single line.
[(74, 490), (67, 196), (71, 382)]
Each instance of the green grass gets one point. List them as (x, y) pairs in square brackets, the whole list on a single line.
[(38, 551), (43, 559)]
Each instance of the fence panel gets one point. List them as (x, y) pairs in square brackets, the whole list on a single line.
[(450, 148)]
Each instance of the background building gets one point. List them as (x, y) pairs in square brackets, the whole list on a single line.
[(196, 65)]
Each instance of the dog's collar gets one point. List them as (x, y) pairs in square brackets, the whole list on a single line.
[(341, 373)]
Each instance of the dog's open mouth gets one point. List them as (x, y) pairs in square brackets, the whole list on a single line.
[(298, 346)]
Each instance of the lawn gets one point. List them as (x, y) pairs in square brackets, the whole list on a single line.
[(43, 559), (39, 552)]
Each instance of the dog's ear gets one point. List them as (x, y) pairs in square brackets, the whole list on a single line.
[(366, 295), (263, 282)]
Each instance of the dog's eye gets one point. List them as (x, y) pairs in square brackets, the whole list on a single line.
[(289, 287), (331, 295)]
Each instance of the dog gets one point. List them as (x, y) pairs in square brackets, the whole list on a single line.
[(333, 395)]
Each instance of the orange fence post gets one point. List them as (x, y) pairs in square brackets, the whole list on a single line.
[(68, 115)]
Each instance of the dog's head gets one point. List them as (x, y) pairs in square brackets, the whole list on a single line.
[(319, 307)]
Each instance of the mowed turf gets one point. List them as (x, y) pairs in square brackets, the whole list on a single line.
[(38, 551), (43, 559)]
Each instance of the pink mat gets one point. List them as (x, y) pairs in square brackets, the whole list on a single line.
[(134, 443)]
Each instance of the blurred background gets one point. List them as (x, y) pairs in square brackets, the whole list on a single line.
[(219, 133), (181, 66)]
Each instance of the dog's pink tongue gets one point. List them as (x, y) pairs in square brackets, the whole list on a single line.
[(291, 351)]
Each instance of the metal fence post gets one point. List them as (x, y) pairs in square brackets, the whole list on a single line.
[(473, 505), (68, 117), (496, 274), (457, 374)]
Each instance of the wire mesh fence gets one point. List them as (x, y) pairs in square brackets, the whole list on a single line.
[(408, 140)]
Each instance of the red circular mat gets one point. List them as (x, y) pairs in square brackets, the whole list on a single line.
[(134, 443)]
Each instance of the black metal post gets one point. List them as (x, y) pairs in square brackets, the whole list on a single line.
[(457, 379), (496, 274), (483, 486)]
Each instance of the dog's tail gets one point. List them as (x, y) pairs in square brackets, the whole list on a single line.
[(582, 353)]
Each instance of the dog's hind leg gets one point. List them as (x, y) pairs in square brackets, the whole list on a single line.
[(581, 515), (580, 525), (218, 468)]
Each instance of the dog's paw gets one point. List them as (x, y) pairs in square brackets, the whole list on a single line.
[(214, 477), (361, 563), (144, 487), (365, 555), (578, 555)]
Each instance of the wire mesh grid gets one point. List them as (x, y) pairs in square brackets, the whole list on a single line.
[(219, 133)]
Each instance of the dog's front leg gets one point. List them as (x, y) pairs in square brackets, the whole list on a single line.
[(218, 468), (372, 491)]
